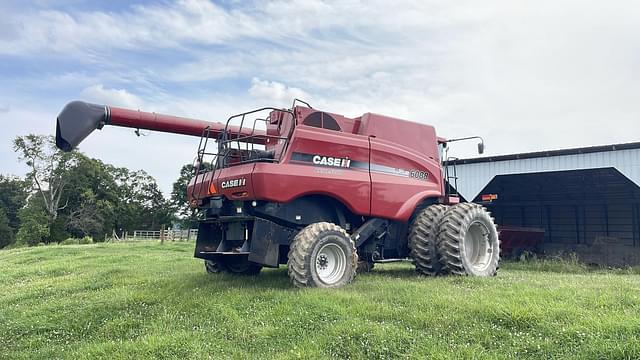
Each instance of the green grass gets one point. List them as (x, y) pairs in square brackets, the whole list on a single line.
[(148, 300)]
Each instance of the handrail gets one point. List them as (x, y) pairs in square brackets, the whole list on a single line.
[(226, 151)]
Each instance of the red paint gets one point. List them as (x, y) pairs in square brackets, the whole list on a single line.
[(516, 239), (173, 124), (372, 140)]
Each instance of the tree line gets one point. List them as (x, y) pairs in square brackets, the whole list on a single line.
[(69, 195)]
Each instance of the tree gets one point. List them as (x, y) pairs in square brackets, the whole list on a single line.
[(86, 219), (13, 196), (34, 226), (49, 169), (142, 202), (6, 231), (73, 195), (91, 195), (179, 199)]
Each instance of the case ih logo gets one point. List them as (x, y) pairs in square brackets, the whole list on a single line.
[(233, 183), (331, 161)]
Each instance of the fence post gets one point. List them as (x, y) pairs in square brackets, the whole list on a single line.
[(162, 234)]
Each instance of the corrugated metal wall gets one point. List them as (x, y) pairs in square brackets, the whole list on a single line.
[(472, 178), (580, 224)]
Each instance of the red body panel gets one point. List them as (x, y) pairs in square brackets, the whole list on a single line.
[(291, 178), (176, 125), (394, 192), (387, 167)]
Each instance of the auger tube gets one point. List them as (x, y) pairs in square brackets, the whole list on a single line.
[(78, 119)]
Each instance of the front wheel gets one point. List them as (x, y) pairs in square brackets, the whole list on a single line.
[(322, 255)]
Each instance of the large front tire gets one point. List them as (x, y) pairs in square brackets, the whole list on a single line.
[(468, 241), (322, 255)]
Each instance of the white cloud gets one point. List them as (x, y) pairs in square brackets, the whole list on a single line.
[(116, 97), (525, 75), (278, 94)]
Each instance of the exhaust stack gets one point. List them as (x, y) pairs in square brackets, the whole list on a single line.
[(78, 119)]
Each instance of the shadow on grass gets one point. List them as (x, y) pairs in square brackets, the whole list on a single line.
[(392, 273), (279, 278), (566, 266), (266, 279)]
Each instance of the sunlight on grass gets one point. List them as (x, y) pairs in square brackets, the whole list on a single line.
[(147, 300)]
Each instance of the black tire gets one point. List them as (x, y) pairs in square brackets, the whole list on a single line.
[(213, 267), (423, 237), (364, 266), (310, 257), (468, 242), (234, 264), (241, 265)]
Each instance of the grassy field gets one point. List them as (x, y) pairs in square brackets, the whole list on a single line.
[(149, 300)]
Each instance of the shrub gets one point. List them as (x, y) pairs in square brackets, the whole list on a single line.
[(74, 241), (70, 241), (86, 240)]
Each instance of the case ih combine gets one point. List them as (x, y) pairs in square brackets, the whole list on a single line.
[(325, 194)]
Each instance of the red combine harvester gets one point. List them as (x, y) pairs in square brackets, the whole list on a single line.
[(325, 194)]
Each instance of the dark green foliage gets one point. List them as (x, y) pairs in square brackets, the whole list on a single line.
[(13, 196), (76, 196), (179, 192), (34, 223), (7, 237), (179, 198), (49, 170)]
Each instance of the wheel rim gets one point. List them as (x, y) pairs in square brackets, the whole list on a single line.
[(477, 247), (331, 263)]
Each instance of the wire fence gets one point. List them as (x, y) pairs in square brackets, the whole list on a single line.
[(168, 235)]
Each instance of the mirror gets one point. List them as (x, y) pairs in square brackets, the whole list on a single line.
[(480, 147)]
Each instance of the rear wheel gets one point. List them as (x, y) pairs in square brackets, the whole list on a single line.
[(322, 255), (364, 266), (235, 264), (213, 267), (468, 241), (423, 236)]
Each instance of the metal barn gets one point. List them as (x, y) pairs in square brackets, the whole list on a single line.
[(586, 200)]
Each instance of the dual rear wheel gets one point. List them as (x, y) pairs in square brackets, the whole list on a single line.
[(461, 239)]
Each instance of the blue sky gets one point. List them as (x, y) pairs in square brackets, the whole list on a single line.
[(525, 75)]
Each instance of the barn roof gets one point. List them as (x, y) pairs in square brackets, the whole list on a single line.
[(475, 173)]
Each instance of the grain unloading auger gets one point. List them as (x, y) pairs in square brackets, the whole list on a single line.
[(78, 119), (323, 193)]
